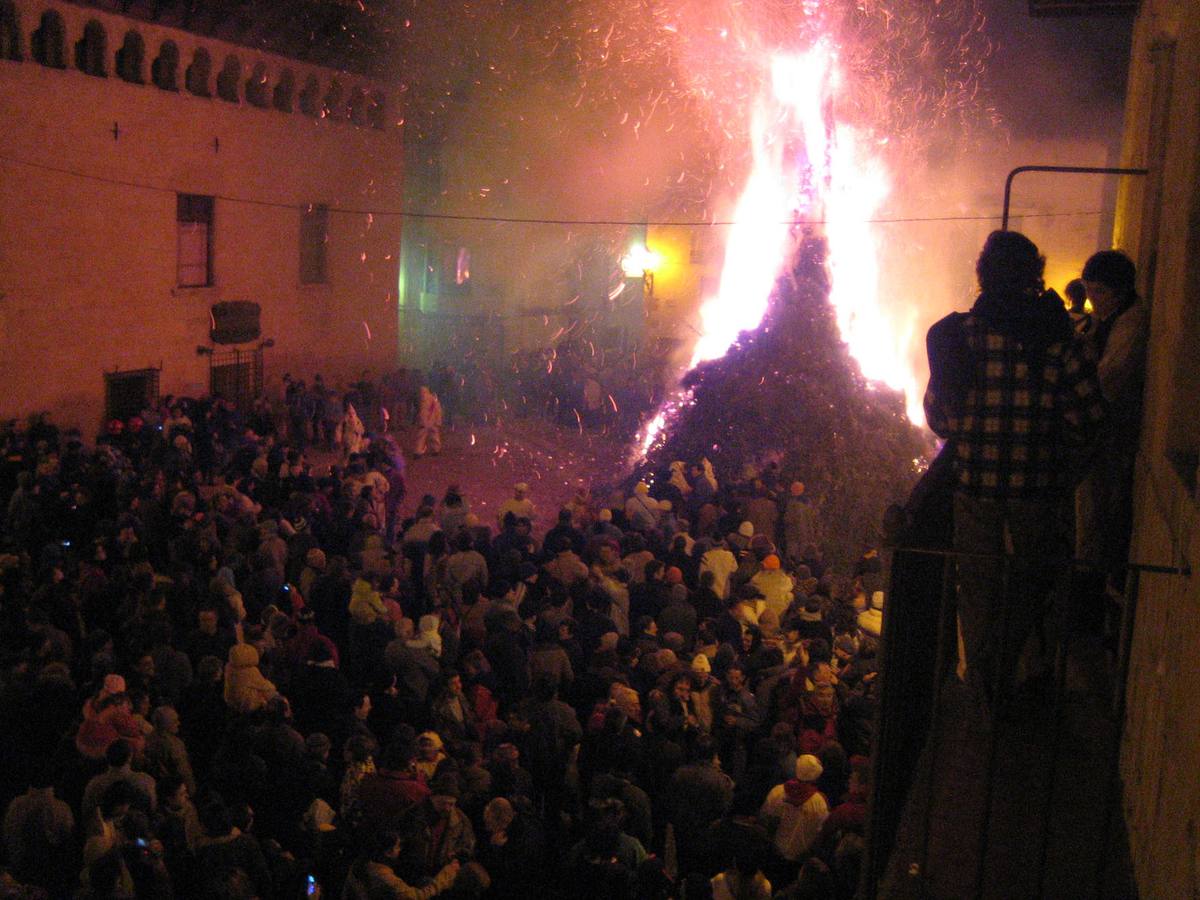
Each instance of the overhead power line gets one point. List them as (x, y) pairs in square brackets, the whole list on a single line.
[(520, 220)]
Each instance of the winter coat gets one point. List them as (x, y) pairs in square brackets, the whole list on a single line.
[(366, 605), (352, 430), (369, 880), (430, 413), (246, 689), (722, 564), (794, 812), (776, 586)]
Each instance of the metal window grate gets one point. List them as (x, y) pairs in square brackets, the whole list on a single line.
[(128, 393)]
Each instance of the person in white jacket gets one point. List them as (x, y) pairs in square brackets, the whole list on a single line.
[(794, 811), (353, 431), (722, 563)]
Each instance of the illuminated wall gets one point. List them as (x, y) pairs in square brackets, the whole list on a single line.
[(1159, 225), (90, 168)]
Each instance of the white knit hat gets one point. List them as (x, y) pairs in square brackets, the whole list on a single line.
[(808, 767)]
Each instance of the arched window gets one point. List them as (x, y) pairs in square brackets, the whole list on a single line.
[(90, 50), (165, 70), (129, 58), (199, 72), (10, 32), (258, 91), (332, 107), (48, 41), (359, 105), (310, 97), (229, 80), (285, 89), (377, 113)]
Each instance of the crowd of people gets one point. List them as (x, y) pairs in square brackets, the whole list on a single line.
[(226, 675), (576, 384)]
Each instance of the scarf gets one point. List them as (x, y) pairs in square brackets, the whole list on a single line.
[(797, 792)]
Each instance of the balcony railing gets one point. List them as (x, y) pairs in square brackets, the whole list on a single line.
[(1020, 803)]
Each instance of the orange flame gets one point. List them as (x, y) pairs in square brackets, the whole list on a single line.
[(806, 164)]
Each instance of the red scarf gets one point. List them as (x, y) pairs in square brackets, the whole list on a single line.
[(797, 792)]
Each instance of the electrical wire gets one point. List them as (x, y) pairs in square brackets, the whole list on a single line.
[(523, 220)]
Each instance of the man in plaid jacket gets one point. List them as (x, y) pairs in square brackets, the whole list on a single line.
[(1015, 394)]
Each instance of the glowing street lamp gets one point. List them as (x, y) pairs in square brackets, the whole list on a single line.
[(640, 262)]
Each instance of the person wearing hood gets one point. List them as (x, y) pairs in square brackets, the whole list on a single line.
[(352, 429), (1018, 396), (428, 636), (247, 690), (429, 417), (678, 479), (794, 811), (366, 605), (431, 753)]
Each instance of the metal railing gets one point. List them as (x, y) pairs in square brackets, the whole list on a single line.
[(1067, 170), (912, 721)]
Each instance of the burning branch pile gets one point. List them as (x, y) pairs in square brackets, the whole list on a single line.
[(790, 390)]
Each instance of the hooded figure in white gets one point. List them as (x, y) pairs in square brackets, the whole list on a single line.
[(352, 431), (429, 417)]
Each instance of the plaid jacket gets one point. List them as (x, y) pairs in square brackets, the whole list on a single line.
[(1021, 421)]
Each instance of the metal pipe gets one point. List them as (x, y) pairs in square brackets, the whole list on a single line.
[(933, 740), (1062, 649), (1076, 170), (997, 710)]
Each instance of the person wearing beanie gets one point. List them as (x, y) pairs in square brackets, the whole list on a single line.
[(704, 691), (801, 526), (435, 832), (774, 584), (739, 540), (1118, 336), (430, 755), (811, 620), (109, 717), (794, 811), (518, 504)]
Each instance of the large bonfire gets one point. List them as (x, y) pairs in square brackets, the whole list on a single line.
[(796, 356), (790, 391)]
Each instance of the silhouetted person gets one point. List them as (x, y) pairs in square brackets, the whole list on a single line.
[(1018, 396)]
